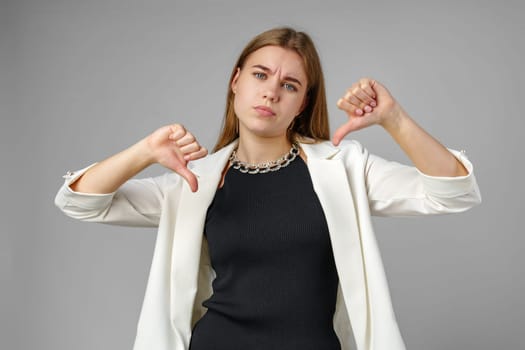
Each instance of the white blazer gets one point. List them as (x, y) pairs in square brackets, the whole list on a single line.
[(351, 185)]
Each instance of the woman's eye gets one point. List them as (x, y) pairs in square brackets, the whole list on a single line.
[(289, 87), (259, 75)]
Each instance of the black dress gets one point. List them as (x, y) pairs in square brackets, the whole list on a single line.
[(276, 283)]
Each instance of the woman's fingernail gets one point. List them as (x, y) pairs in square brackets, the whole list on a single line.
[(373, 103), (177, 135), (359, 111), (368, 109)]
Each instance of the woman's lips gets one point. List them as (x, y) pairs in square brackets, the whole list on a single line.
[(264, 111)]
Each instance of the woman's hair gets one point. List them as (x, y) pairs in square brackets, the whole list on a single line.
[(313, 121)]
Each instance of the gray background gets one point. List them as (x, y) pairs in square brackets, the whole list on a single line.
[(81, 80)]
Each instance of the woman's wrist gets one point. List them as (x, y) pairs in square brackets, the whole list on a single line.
[(143, 152), (394, 122)]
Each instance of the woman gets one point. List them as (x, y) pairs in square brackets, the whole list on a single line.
[(270, 244)]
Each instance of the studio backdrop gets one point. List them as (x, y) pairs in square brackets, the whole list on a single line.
[(82, 80)]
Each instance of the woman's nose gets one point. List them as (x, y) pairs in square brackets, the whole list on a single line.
[(271, 91)]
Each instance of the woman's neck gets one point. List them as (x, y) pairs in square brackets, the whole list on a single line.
[(259, 150)]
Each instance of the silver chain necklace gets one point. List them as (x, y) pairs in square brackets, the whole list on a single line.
[(264, 167)]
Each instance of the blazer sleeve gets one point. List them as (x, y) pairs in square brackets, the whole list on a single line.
[(396, 189), (137, 202)]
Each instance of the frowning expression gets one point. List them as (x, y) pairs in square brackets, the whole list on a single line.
[(270, 91)]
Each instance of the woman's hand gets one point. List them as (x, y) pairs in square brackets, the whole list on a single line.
[(366, 103), (173, 147)]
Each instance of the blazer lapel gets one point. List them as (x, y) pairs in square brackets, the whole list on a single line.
[(187, 239), (330, 181)]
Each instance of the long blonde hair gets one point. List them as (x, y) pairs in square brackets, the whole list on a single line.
[(313, 121)]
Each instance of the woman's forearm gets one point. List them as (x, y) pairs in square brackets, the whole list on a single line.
[(427, 153), (108, 175)]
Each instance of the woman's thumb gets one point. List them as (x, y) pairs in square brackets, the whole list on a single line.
[(190, 178)]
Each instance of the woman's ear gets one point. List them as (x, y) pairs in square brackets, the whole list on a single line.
[(233, 84)]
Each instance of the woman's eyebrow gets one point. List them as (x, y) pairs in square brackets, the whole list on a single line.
[(266, 69)]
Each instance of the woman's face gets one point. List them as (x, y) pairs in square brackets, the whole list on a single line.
[(269, 91)]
